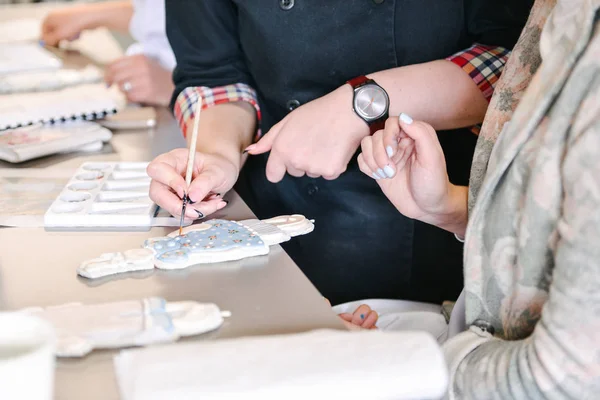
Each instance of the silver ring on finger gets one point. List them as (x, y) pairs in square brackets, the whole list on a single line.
[(127, 86)]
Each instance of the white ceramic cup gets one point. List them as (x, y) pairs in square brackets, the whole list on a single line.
[(26, 357)]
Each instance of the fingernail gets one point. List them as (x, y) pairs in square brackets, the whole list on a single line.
[(249, 148), (200, 215), (381, 173), (376, 176), (226, 201), (362, 316), (389, 171), (389, 151), (42, 43), (406, 119)]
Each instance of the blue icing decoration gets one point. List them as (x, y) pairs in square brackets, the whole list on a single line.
[(155, 305), (164, 322), (221, 236), (175, 256), (160, 245)]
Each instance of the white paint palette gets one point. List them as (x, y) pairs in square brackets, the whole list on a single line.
[(104, 195)]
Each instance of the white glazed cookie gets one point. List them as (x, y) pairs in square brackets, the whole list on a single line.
[(209, 242), (81, 328), (293, 225), (214, 241), (116, 263)]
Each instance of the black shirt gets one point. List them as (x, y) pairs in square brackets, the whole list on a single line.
[(294, 51)]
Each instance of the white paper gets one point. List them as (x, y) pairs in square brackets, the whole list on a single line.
[(20, 30), (23, 57), (26, 194), (48, 81)]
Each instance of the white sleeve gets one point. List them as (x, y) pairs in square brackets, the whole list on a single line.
[(147, 27)]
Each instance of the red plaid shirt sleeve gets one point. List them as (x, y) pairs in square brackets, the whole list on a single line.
[(185, 105), (484, 64)]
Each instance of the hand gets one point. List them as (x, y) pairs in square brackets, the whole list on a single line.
[(213, 175), (66, 24), (408, 163), (362, 318), (317, 139), (142, 80)]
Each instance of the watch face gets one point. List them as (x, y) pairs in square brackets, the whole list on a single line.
[(371, 102)]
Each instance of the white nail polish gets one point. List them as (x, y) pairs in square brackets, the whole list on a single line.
[(389, 151), (376, 176), (389, 171), (406, 119), (381, 173)]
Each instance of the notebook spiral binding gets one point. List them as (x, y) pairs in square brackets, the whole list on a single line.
[(86, 102)]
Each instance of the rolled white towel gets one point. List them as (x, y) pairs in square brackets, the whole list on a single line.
[(323, 364)]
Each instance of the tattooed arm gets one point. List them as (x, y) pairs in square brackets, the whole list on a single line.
[(516, 76)]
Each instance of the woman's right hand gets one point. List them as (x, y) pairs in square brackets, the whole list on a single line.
[(408, 163), (213, 176), (65, 24)]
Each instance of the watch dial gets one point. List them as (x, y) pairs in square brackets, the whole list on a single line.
[(370, 102)]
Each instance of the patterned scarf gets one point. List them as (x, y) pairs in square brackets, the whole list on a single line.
[(518, 72)]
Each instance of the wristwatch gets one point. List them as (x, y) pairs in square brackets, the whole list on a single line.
[(370, 102)]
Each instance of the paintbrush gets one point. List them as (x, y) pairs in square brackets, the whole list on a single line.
[(190, 162)]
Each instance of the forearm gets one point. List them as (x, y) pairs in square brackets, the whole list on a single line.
[(452, 216), (114, 15), (225, 129), (438, 92)]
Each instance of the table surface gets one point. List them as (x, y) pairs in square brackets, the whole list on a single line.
[(266, 295)]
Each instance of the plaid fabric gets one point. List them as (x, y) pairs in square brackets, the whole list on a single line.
[(185, 105), (484, 64)]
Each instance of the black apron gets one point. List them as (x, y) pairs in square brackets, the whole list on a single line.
[(294, 51)]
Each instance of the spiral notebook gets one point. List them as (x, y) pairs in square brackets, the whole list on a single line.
[(87, 102)]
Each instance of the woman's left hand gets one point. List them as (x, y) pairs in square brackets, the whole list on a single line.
[(317, 139), (141, 79), (408, 163), (362, 318)]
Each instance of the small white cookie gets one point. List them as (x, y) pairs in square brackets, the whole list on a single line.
[(116, 263)]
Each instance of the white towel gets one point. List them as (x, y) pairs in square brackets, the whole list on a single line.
[(320, 364)]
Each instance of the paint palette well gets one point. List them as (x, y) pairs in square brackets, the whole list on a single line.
[(104, 195)]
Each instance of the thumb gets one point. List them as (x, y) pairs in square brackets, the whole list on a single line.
[(54, 35), (266, 142), (49, 37), (427, 145)]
